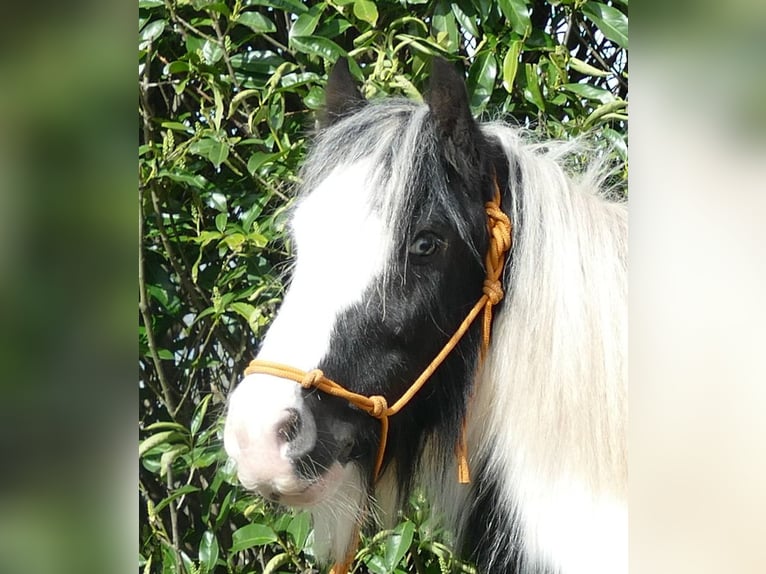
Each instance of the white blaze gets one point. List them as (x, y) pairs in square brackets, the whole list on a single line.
[(342, 248)]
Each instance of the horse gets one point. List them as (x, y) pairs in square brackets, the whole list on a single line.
[(390, 230)]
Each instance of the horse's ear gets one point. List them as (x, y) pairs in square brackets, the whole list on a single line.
[(342, 97), (448, 100)]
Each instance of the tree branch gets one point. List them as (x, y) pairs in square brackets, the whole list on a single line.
[(143, 306), (194, 292)]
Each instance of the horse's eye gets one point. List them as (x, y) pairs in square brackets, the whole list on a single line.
[(425, 244)]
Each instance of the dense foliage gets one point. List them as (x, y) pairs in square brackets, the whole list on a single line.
[(228, 91)]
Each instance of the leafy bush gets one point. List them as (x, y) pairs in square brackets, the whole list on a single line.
[(227, 95)]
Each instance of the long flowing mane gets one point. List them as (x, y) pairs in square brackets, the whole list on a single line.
[(553, 393)]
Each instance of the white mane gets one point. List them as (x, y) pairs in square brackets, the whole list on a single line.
[(551, 403)]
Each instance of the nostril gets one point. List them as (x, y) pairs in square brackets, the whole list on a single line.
[(288, 429)]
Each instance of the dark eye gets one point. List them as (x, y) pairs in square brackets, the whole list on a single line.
[(425, 244)]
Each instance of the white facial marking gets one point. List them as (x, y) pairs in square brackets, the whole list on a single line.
[(342, 248)]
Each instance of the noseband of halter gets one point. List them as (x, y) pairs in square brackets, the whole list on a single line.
[(499, 226)]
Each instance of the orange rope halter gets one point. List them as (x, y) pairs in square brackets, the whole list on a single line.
[(376, 405)]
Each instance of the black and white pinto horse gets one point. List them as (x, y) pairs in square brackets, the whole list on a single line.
[(390, 231)]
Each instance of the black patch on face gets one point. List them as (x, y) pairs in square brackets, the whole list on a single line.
[(337, 426), (381, 345)]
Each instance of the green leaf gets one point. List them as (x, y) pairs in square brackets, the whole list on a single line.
[(257, 61), (481, 80), (539, 40), (604, 110), (188, 563), (246, 311), (257, 22), (314, 100), (484, 7), (259, 159), (333, 28), (157, 439), (240, 97), (178, 493), (211, 52), (585, 68), (217, 152), (305, 24), (318, 46), (511, 64), (299, 79), (252, 535), (218, 113), (423, 45), (166, 425), (217, 200), (617, 141), (197, 180), (612, 22), (367, 11), (281, 523), (276, 562), (220, 225), (299, 528), (466, 21), (151, 32), (223, 511), (376, 564), (445, 24), (201, 409), (400, 81), (517, 13), (208, 552), (169, 562), (589, 92), (177, 126), (178, 67), (532, 90), (276, 112), (169, 456), (398, 543)]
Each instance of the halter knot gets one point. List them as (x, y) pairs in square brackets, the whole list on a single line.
[(378, 406), (499, 226), (311, 378), (493, 290)]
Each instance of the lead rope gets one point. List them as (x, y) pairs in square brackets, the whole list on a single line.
[(499, 226)]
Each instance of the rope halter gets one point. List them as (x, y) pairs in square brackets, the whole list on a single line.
[(376, 406), (499, 226)]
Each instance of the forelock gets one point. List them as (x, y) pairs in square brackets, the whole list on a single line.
[(397, 137)]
